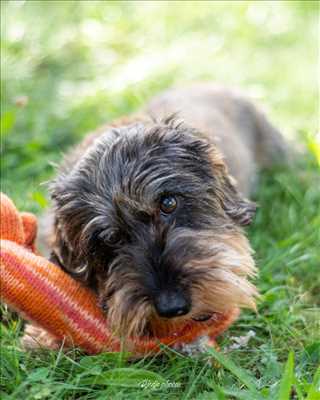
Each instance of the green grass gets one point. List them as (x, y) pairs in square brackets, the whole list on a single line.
[(79, 64)]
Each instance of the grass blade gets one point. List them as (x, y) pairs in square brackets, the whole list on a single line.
[(287, 379), (126, 377), (314, 391), (240, 373)]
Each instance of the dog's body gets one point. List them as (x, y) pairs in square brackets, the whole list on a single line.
[(145, 210)]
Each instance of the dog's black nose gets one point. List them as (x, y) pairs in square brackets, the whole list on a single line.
[(171, 304)]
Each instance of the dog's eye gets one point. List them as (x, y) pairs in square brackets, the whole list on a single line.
[(110, 237), (168, 204)]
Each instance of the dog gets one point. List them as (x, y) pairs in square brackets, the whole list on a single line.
[(149, 211)]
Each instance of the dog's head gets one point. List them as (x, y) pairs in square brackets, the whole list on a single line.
[(150, 218)]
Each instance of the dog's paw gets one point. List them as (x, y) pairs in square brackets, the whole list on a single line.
[(199, 346), (35, 338)]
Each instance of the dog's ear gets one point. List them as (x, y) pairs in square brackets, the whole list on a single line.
[(238, 208), (61, 254), (68, 259)]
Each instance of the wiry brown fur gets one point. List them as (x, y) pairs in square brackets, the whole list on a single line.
[(220, 283)]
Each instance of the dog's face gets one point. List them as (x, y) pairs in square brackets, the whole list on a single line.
[(150, 218)]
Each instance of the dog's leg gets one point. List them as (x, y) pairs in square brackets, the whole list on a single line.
[(35, 337), (271, 148), (198, 346)]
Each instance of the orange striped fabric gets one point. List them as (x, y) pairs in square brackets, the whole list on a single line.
[(44, 294)]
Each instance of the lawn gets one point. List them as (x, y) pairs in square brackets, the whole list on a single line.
[(67, 67)]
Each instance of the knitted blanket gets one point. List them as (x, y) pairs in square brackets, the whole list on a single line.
[(45, 295)]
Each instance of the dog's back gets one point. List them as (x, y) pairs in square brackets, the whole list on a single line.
[(240, 130)]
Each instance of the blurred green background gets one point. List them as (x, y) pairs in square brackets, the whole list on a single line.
[(68, 66)]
